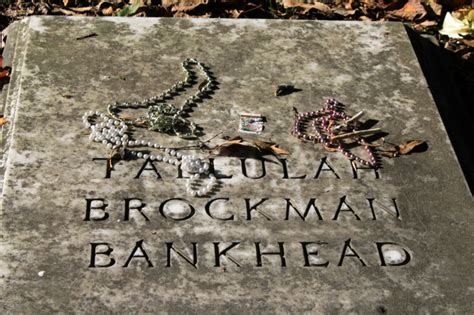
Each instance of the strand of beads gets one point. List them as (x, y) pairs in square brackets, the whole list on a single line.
[(168, 118), (112, 133), (323, 122), (196, 166)]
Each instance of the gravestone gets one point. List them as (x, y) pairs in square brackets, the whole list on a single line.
[(309, 232)]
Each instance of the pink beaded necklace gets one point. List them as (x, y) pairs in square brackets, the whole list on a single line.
[(325, 123)]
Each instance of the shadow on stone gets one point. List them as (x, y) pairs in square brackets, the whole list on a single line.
[(452, 93)]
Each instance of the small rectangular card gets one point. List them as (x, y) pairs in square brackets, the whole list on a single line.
[(251, 123)]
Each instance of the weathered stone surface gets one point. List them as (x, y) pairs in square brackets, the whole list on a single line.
[(45, 245)]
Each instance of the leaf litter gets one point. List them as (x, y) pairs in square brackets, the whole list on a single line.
[(405, 148), (238, 146)]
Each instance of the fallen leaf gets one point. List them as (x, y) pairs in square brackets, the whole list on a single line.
[(365, 18), (345, 12), (269, 146), (263, 145), (180, 14), (236, 150), (234, 140), (103, 4), (2, 42), (412, 10), (403, 149), (470, 15), (68, 3), (1, 61), (84, 9), (408, 146), (239, 147), (306, 5), (469, 19), (427, 24), (379, 4), (63, 11), (279, 151), (3, 121), (183, 5), (42, 8), (226, 147), (453, 27), (5, 72), (129, 10), (436, 7), (107, 11), (469, 42), (235, 14)]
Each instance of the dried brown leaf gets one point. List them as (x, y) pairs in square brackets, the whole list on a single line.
[(237, 146), (469, 42), (103, 5), (345, 12), (426, 24), (4, 72), (412, 10), (90, 9), (279, 151), (436, 7), (68, 3), (269, 146), (183, 5), (306, 5), (365, 18), (105, 8), (234, 140), (408, 146), (380, 4), (263, 145), (235, 14), (107, 11), (63, 11), (3, 121), (235, 150), (402, 149)]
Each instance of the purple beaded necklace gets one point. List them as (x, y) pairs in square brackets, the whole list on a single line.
[(325, 123)]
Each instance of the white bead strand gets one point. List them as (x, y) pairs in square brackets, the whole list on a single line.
[(112, 133)]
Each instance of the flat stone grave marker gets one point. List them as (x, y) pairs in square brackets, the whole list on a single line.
[(307, 232)]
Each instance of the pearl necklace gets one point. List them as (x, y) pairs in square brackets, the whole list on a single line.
[(113, 132), (324, 124)]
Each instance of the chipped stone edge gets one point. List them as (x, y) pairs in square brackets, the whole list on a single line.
[(15, 53)]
